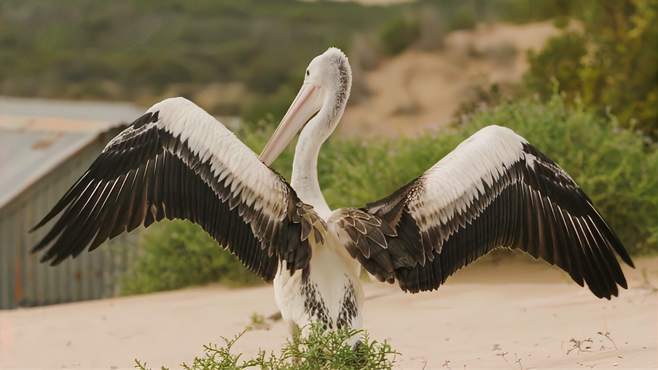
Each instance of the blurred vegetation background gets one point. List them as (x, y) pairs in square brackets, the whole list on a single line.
[(249, 52), (589, 98)]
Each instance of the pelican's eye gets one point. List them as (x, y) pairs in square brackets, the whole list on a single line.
[(308, 73)]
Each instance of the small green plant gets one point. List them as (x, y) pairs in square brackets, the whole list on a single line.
[(258, 322), (318, 349)]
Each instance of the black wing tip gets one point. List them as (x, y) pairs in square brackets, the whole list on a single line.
[(37, 226), (600, 293), (54, 258), (56, 261), (44, 220), (36, 249), (49, 259), (623, 284), (618, 246), (627, 259), (612, 290)]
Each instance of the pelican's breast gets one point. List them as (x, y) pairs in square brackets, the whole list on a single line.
[(332, 293)]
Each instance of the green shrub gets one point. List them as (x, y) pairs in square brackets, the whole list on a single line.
[(561, 60), (320, 349), (612, 65), (179, 254), (520, 11), (399, 34), (463, 19)]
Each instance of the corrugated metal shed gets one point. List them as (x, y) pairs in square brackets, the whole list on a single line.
[(44, 147)]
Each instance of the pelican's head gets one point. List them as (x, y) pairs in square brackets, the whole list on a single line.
[(324, 94)]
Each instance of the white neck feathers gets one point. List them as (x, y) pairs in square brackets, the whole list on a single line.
[(305, 164), (318, 129)]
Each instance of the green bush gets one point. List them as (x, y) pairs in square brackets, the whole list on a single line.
[(561, 60), (463, 19), (399, 34), (320, 349), (179, 254), (520, 11), (612, 65)]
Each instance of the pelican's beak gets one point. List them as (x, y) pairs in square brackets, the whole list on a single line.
[(302, 109)]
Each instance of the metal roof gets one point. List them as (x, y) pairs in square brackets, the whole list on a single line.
[(36, 135), (83, 110)]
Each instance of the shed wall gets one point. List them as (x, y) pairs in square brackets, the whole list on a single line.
[(26, 282)]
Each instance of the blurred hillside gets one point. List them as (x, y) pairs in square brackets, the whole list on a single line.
[(245, 58), (233, 58)]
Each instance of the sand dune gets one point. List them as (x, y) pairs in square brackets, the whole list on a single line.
[(421, 90)]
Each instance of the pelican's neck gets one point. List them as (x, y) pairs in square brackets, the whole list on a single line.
[(305, 164)]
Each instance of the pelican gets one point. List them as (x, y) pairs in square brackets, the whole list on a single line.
[(493, 190)]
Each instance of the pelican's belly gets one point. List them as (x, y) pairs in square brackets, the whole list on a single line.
[(332, 294)]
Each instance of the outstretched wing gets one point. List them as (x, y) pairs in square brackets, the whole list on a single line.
[(493, 190), (177, 161)]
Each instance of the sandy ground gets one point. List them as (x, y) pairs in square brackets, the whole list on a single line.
[(507, 314), (421, 90)]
